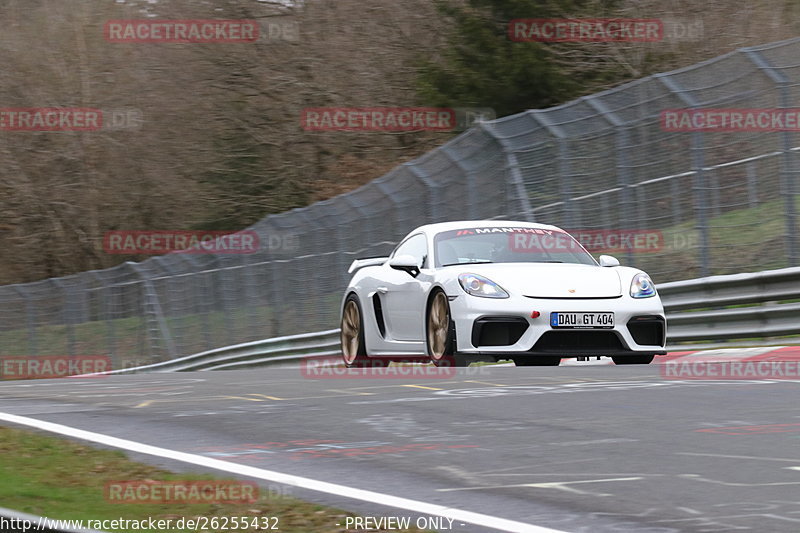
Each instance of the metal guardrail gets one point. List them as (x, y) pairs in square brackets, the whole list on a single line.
[(698, 311), (251, 354), (736, 307)]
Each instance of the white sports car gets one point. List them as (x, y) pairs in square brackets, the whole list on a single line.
[(459, 292)]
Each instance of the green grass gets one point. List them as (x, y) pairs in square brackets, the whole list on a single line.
[(744, 240), (59, 479)]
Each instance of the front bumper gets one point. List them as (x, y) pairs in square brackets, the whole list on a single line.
[(497, 327)]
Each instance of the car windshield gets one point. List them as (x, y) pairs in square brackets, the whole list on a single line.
[(508, 245)]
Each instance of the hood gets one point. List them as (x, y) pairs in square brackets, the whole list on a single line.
[(550, 280)]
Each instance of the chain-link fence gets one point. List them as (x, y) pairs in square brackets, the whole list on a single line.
[(724, 202)]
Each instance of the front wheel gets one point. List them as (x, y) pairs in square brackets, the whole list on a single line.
[(440, 333), (633, 359)]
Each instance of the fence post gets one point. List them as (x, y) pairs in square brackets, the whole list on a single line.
[(105, 312), (624, 181), (30, 322), (699, 185), (515, 183), (701, 202), (470, 182), (152, 312), (433, 190), (621, 144), (564, 167), (675, 192), (202, 297), (752, 184), (66, 315), (788, 167)]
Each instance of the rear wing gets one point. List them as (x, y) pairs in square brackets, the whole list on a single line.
[(361, 263)]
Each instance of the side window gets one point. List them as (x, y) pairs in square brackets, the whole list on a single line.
[(416, 246)]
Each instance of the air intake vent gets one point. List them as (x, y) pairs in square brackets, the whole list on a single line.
[(498, 331), (647, 330)]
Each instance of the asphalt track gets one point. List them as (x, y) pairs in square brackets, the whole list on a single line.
[(572, 448)]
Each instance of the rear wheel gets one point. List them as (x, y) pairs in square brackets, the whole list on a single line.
[(440, 333), (354, 348), (633, 359), (537, 360)]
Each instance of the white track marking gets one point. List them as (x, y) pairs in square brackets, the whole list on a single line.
[(424, 508), (565, 486), (740, 457)]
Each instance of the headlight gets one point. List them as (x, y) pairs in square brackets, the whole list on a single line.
[(642, 286), (479, 286)]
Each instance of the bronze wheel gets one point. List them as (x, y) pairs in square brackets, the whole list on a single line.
[(438, 327), (440, 333), (352, 336)]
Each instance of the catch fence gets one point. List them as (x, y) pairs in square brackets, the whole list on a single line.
[(724, 202)]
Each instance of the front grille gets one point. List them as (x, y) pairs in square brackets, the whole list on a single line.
[(498, 331), (647, 330), (579, 341)]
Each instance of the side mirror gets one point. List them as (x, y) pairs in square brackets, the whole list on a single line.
[(608, 261), (406, 263)]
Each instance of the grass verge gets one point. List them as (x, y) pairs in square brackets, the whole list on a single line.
[(60, 479)]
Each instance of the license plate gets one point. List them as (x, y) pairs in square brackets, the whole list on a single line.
[(582, 320)]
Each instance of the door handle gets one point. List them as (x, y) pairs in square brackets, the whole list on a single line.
[(382, 290)]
